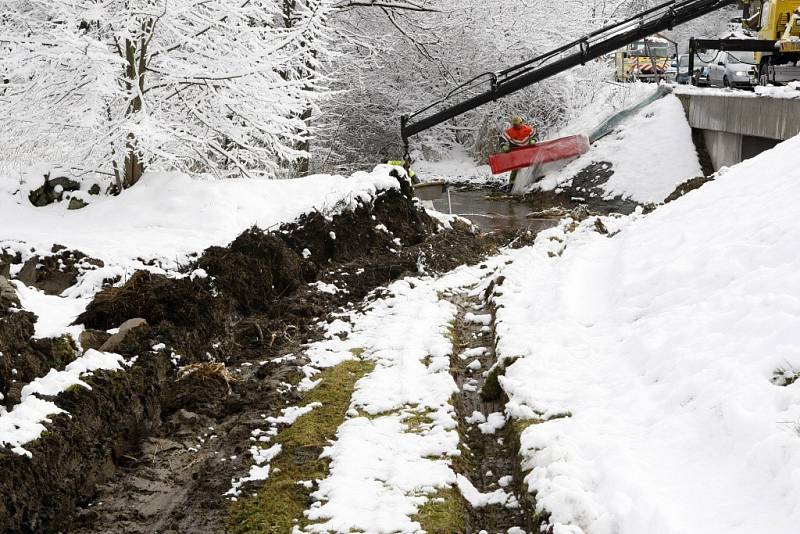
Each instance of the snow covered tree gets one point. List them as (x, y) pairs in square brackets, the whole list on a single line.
[(205, 86)]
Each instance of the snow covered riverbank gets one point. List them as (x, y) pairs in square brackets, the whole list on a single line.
[(655, 367)]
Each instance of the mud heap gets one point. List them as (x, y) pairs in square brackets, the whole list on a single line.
[(257, 298)]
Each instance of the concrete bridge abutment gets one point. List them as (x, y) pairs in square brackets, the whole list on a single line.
[(739, 126)]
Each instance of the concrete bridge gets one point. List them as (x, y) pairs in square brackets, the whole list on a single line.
[(739, 126)]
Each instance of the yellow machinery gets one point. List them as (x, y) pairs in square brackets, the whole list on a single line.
[(645, 60), (779, 21)]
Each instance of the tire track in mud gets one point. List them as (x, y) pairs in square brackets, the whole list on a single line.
[(492, 462)]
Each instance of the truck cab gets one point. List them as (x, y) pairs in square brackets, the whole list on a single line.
[(647, 60), (775, 20)]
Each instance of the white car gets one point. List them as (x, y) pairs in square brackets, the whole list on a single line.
[(733, 69)]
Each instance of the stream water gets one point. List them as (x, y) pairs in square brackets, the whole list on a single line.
[(491, 214)]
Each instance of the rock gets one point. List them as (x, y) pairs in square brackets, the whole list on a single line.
[(46, 275), (75, 204), (94, 190), (27, 275), (93, 339), (580, 212), (130, 324), (56, 272), (600, 227), (8, 295), (52, 190), (116, 340)]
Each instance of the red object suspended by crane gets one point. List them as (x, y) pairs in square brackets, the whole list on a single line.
[(544, 152)]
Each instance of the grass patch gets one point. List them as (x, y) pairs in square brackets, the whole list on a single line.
[(280, 502), (64, 350), (444, 513), (74, 388), (418, 422), (491, 390)]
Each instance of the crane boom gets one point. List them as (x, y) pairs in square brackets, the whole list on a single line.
[(602, 41)]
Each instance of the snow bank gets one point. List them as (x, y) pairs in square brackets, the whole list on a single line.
[(54, 314), (168, 216), (790, 90), (380, 469), (651, 153), (653, 354)]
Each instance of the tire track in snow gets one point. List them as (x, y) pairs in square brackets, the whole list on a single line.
[(490, 485)]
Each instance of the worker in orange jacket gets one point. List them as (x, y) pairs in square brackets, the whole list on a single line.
[(518, 136)]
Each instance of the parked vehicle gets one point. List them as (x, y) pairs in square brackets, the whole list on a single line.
[(733, 69)]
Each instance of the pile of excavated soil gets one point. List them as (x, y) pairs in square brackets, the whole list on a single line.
[(201, 363), (23, 358), (688, 185)]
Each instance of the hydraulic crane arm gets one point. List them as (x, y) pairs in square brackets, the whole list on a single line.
[(602, 41)]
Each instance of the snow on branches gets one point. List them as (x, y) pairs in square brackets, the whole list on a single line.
[(203, 86)]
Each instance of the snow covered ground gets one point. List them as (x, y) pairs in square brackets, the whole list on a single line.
[(165, 218), (790, 90), (168, 216), (651, 362), (457, 167)]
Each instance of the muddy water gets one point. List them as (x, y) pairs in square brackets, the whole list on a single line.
[(491, 214)]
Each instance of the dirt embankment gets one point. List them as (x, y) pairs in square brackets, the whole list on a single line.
[(202, 368)]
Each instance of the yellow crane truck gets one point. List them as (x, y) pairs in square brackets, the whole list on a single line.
[(778, 21)]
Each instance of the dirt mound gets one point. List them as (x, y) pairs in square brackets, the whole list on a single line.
[(254, 270), (79, 450), (688, 185), (359, 232), (154, 297), (22, 358)]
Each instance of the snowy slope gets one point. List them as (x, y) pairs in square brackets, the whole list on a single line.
[(168, 216), (457, 166), (651, 153), (661, 345)]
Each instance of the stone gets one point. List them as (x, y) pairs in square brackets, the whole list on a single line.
[(94, 190), (75, 204), (7, 260), (52, 190), (8, 295), (27, 275), (113, 342), (93, 339)]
